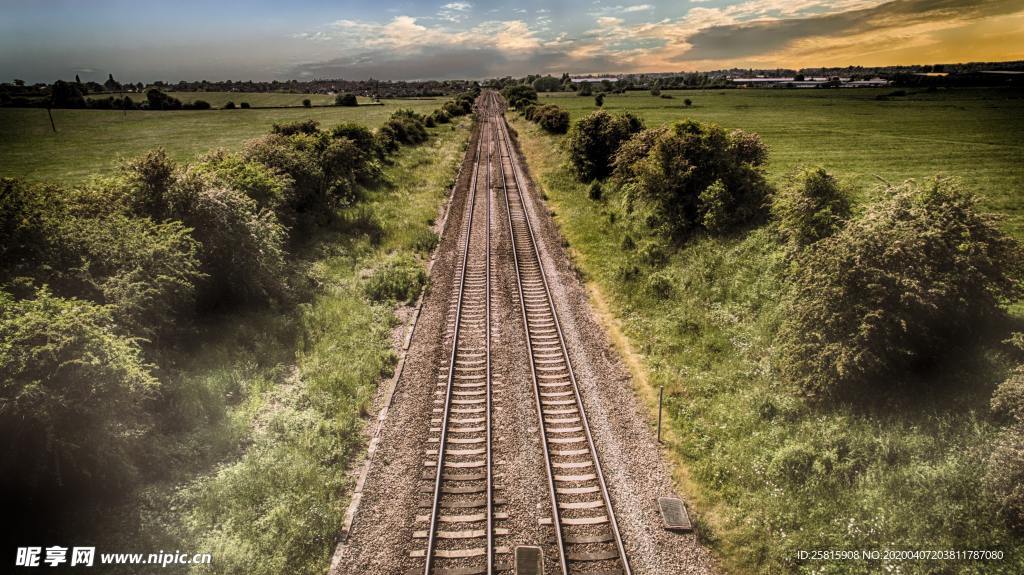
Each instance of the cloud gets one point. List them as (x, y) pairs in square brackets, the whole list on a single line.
[(765, 36), (768, 33)]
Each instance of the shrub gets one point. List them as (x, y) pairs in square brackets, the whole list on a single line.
[(688, 102), (307, 103), (404, 127), (594, 139), (696, 176), (297, 127), (361, 136), (71, 389), (200, 105), (324, 169), (596, 191), (146, 272), (599, 100), (585, 90), (346, 99), (1008, 399), (549, 117), (920, 270), (397, 278), (553, 119), (242, 245), (244, 105), (229, 106), (655, 92), (1004, 476), (519, 96), (157, 100), (811, 206), (271, 190)]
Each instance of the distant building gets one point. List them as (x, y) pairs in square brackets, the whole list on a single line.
[(808, 82)]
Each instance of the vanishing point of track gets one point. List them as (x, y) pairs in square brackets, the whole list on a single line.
[(461, 532)]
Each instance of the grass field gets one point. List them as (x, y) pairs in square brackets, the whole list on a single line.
[(90, 142), (766, 474), (977, 135)]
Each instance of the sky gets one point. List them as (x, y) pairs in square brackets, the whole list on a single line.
[(44, 40)]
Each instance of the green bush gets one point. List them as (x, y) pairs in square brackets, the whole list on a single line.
[(594, 140), (811, 206), (242, 251), (296, 127), (271, 190), (519, 96), (146, 272), (346, 100), (1008, 399), (70, 391), (549, 117), (324, 170), (1004, 476), (919, 271), (696, 176), (397, 278)]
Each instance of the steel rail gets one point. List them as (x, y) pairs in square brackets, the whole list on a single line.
[(432, 532), (501, 128)]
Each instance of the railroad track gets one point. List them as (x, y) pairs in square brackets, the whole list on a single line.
[(461, 526), (583, 520)]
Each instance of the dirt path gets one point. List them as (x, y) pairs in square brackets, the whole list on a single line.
[(382, 538)]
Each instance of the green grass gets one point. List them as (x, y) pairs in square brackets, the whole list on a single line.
[(90, 142), (769, 475), (976, 134), (258, 473)]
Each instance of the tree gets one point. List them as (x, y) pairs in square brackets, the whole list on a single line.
[(229, 105), (244, 105), (67, 95), (696, 176), (922, 269), (811, 206), (519, 96), (72, 389), (157, 100), (307, 103), (599, 100), (111, 84), (688, 102), (547, 84), (585, 89), (346, 99), (594, 139)]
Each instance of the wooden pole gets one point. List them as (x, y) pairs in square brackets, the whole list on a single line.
[(661, 397), (50, 114)]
